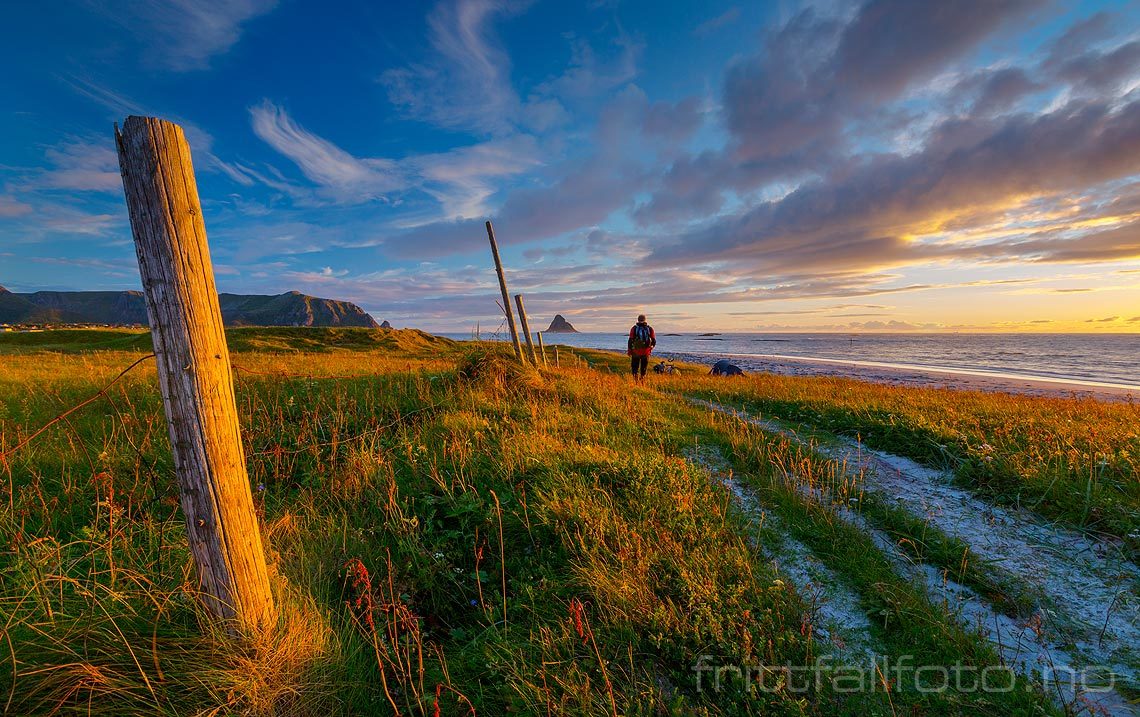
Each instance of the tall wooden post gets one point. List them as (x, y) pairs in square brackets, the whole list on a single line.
[(556, 364), (542, 349), (526, 329), (506, 296), (194, 371)]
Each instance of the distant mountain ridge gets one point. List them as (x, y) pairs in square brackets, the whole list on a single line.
[(129, 307)]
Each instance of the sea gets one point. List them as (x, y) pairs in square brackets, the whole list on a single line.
[(1109, 360)]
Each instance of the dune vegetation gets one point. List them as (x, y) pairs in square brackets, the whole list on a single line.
[(452, 533)]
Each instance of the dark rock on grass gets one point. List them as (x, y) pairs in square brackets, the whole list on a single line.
[(724, 367)]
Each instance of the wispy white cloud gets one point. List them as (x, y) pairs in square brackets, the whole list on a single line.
[(344, 176), (591, 74), (75, 223), (722, 20), (184, 35), (119, 106), (119, 268), (12, 207), (466, 82), (99, 93), (82, 165), (461, 180)]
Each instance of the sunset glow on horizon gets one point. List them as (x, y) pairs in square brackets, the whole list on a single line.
[(809, 165)]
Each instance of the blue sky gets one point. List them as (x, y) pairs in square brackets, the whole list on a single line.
[(750, 166)]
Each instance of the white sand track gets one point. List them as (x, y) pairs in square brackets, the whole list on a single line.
[(1090, 600), (837, 617)]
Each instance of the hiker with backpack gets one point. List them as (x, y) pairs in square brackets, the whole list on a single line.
[(641, 343)]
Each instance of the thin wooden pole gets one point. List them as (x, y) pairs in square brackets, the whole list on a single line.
[(556, 364), (542, 349), (503, 288), (526, 329), (194, 372)]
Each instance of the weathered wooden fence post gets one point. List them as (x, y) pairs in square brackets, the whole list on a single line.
[(542, 350), (194, 372), (503, 288), (556, 364), (526, 329)]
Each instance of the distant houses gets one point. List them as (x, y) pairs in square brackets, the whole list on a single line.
[(33, 328)]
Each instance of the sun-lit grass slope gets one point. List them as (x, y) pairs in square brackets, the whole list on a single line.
[(392, 504), (411, 342), (246, 339), (75, 341), (616, 361), (446, 529), (1076, 460)]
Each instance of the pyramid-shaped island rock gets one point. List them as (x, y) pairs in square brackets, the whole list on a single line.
[(560, 326)]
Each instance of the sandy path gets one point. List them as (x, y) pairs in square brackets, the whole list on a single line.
[(1089, 616), (837, 616)]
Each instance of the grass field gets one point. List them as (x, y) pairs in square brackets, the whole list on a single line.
[(451, 533)]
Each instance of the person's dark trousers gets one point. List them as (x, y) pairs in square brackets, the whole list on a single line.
[(638, 364)]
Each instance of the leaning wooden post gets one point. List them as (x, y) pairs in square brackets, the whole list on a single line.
[(506, 296), (194, 372), (526, 329), (542, 350), (556, 364)]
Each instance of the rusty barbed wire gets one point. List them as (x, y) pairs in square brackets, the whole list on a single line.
[(62, 416), (400, 418)]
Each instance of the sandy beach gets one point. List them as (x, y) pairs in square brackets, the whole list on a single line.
[(927, 377)]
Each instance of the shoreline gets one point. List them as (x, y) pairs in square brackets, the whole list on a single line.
[(919, 376)]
